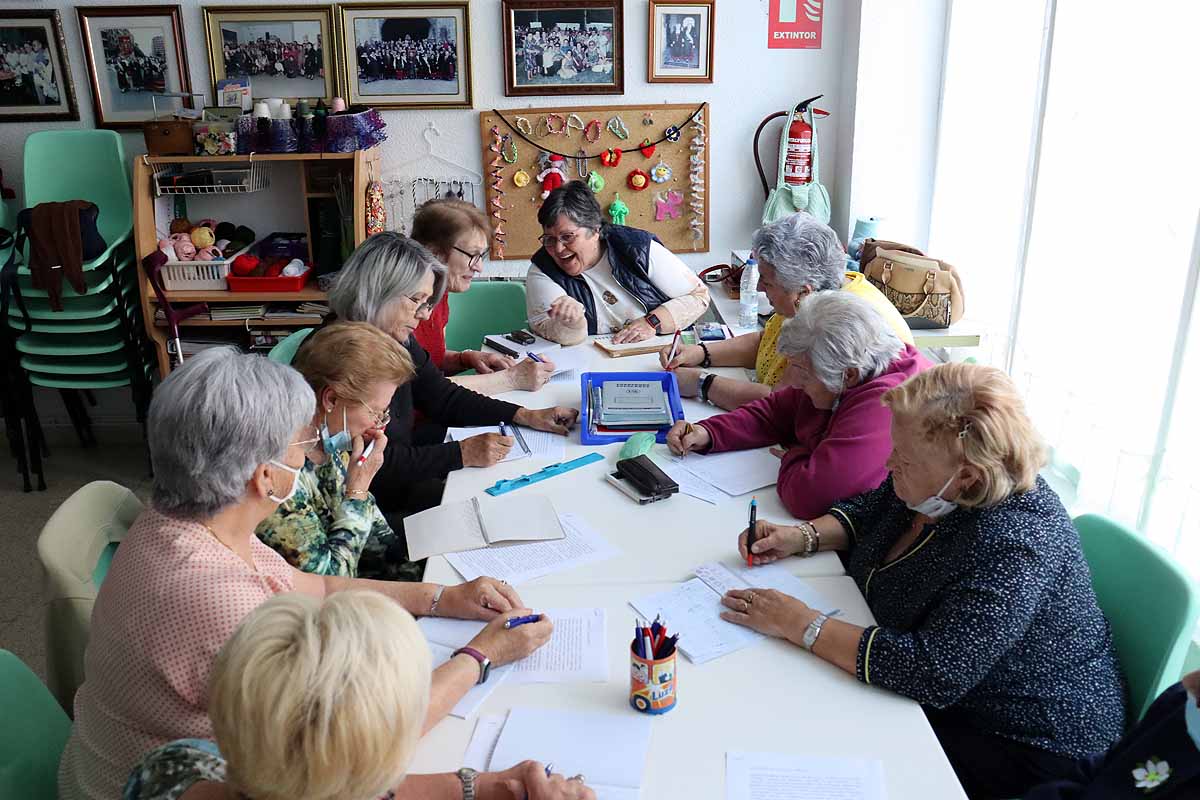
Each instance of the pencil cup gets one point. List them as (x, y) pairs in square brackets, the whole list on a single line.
[(652, 683)]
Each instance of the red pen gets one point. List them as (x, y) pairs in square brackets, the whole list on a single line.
[(366, 453)]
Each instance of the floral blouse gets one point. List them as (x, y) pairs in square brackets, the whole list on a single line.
[(321, 530)]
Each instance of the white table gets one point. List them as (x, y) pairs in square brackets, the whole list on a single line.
[(661, 541), (772, 697)]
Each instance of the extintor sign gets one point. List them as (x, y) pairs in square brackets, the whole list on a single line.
[(795, 24)]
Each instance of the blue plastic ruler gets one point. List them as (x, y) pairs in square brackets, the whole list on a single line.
[(512, 484)]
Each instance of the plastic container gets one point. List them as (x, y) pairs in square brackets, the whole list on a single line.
[(748, 302), (183, 276), (653, 683), (281, 283), (597, 379)]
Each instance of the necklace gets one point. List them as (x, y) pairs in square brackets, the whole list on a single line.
[(225, 544)]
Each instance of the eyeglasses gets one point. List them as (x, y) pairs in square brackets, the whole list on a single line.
[(422, 305), (473, 259), (566, 240), (308, 444), (379, 419)]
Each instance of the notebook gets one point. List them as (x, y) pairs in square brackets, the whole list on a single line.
[(469, 525)]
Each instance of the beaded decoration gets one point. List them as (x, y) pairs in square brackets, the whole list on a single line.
[(617, 126), (581, 164), (497, 203), (696, 178), (592, 130), (509, 154), (551, 119), (523, 126), (574, 122)]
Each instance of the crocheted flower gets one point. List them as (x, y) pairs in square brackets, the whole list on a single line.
[(1152, 774)]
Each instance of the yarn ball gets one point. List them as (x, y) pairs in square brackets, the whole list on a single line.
[(168, 248), (221, 244), (202, 236), (207, 223), (181, 225), (209, 253), (225, 230), (185, 250), (244, 265), (243, 234)]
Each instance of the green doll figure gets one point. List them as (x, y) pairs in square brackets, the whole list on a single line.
[(618, 211)]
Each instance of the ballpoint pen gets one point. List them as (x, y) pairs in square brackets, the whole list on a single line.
[(751, 530), (674, 345), (534, 357), (516, 622), (366, 453)]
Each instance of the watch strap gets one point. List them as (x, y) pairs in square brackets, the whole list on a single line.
[(655, 323), (706, 382), (813, 631), (467, 776), (484, 662)]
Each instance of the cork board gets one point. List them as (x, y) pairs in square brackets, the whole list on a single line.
[(680, 221)]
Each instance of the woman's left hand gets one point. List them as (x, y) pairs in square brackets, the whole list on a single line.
[(636, 331), (483, 362), (482, 598), (767, 611), (557, 419)]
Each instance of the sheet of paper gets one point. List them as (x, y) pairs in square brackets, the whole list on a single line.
[(655, 343), (693, 610), (689, 484), (521, 563), (610, 749), (483, 742), (568, 358), (540, 443), (735, 473), (444, 529), (474, 698), (570, 376), (786, 776), (519, 517), (721, 578)]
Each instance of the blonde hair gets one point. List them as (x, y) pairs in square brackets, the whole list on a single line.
[(439, 223), (979, 409), (316, 700), (350, 358)]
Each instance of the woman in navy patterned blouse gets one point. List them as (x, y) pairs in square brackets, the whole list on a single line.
[(977, 581)]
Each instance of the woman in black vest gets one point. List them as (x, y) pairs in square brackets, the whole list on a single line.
[(591, 277)]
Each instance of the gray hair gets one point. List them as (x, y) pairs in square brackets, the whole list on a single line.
[(214, 420), (840, 331), (803, 251), (575, 200), (381, 270)]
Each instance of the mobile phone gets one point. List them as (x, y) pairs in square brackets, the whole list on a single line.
[(520, 337)]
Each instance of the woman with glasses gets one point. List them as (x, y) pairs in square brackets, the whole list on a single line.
[(591, 277), (457, 232)]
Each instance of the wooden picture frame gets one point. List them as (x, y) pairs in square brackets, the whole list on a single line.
[(128, 60), (531, 68), (304, 67), (680, 41), (380, 67), (39, 88)]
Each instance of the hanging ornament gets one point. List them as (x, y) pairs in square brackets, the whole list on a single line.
[(581, 164), (646, 148), (611, 157), (672, 134), (551, 121), (554, 175), (376, 213), (497, 202), (509, 154), (524, 127), (595, 181), (617, 126), (521, 179), (668, 205), (662, 172), (592, 130), (618, 211), (648, 118), (696, 179), (637, 180), (574, 122)]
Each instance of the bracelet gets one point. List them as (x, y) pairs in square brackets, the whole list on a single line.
[(353, 492), (812, 542), (707, 362), (437, 598)]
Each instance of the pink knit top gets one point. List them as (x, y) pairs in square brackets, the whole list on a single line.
[(171, 598)]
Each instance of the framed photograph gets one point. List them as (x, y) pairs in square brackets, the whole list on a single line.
[(563, 47), (406, 54), (285, 51), (132, 52), (35, 79), (680, 48)]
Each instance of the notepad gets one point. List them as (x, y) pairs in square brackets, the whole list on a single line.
[(789, 776), (467, 525), (529, 442), (736, 473), (521, 563), (651, 345)]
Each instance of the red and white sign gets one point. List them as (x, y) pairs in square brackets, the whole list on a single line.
[(795, 24)]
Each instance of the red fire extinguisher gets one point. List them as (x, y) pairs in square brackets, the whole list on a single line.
[(797, 167)]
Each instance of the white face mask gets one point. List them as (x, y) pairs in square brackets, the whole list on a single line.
[(937, 506), (295, 483)]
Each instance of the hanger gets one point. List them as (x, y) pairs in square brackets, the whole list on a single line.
[(427, 134)]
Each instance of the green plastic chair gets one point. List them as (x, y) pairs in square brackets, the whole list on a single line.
[(33, 735), (1150, 602), (487, 307), (285, 351)]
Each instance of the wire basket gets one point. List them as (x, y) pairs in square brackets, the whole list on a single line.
[(171, 179), (195, 275)]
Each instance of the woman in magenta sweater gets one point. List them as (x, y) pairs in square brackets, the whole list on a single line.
[(833, 431)]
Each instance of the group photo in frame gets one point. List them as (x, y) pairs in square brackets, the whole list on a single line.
[(35, 78), (284, 51), (554, 47), (681, 38)]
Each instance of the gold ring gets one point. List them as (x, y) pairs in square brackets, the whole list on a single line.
[(750, 598)]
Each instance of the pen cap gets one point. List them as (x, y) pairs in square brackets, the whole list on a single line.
[(652, 682)]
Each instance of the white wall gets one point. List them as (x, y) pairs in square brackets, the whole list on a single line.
[(751, 82)]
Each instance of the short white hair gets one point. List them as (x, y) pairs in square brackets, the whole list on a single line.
[(839, 331), (803, 251), (385, 267), (320, 699)]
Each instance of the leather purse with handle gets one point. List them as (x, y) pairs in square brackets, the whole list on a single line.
[(926, 291)]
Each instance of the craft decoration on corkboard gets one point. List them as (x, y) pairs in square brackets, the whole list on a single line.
[(530, 153)]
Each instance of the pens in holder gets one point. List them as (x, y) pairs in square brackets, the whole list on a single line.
[(652, 680), (674, 346), (366, 453), (751, 531), (517, 622)]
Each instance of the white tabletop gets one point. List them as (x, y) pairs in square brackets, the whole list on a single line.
[(771, 697), (660, 541)]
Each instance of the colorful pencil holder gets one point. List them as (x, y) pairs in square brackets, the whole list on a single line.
[(652, 683)]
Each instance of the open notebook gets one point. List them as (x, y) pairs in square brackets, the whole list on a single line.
[(469, 525)]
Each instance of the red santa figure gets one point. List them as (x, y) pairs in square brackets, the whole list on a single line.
[(553, 176)]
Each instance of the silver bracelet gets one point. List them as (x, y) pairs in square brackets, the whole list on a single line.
[(437, 598)]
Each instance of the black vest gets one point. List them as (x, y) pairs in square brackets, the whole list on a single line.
[(628, 253)]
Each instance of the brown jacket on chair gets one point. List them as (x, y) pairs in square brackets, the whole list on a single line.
[(54, 243)]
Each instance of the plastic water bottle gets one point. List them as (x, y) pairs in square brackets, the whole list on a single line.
[(748, 304)]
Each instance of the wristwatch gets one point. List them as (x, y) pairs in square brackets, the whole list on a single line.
[(813, 631), (655, 322), (706, 381), (485, 663), (467, 776)]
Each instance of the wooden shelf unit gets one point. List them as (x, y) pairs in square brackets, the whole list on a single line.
[(146, 240)]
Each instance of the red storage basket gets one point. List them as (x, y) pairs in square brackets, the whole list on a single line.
[(280, 283)]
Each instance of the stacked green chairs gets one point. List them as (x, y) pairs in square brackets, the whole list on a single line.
[(488, 307), (33, 735)]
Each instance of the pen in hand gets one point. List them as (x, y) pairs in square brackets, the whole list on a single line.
[(366, 453), (516, 622), (751, 530)]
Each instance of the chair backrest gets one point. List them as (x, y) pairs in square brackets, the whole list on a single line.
[(285, 351), (33, 735), (81, 165), (487, 307), (75, 548), (1150, 602)]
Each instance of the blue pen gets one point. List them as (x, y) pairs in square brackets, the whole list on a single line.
[(503, 429), (535, 358), (549, 769), (637, 640), (517, 622)]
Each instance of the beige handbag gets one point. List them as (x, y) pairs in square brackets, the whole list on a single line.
[(927, 292)]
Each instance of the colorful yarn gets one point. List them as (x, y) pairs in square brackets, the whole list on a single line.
[(376, 213), (362, 130)]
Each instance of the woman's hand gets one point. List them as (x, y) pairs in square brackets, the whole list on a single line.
[(556, 419), (530, 375), (689, 381), (482, 598), (637, 331), (685, 437), (690, 355), (566, 310), (359, 476), (504, 646), (528, 781), (767, 611), (484, 362), (772, 542), (485, 449)]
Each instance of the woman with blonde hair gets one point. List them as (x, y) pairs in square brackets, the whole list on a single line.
[(982, 598), (320, 699)]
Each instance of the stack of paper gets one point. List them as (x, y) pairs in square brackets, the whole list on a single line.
[(237, 311), (634, 405), (529, 441), (468, 525), (521, 563), (788, 776), (735, 473)]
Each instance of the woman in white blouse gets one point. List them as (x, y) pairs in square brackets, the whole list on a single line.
[(591, 277)]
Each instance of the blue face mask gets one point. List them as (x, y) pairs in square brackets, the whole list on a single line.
[(336, 443), (1191, 715)]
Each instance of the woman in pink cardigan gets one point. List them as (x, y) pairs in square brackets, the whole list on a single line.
[(834, 433)]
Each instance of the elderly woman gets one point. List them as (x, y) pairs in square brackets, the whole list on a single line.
[(456, 232), (331, 524), (591, 277), (975, 576), (829, 421), (797, 255), (393, 283), (227, 434), (313, 699)]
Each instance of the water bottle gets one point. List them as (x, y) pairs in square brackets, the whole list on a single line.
[(748, 304)]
